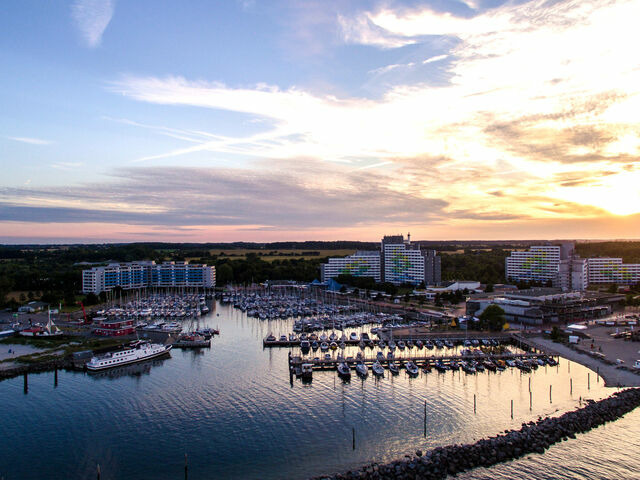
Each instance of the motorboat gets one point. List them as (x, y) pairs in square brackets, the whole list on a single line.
[(378, 369), (392, 345), (440, 366), (428, 345), (333, 345), (393, 368), (419, 344), (293, 337), (353, 336), (409, 344), (343, 370), (324, 346), (270, 338), (306, 370), (380, 356), (390, 356), (401, 345), (314, 345), (362, 369), (305, 345), (412, 368), (283, 338)]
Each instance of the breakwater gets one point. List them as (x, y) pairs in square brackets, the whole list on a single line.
[(533, 437)]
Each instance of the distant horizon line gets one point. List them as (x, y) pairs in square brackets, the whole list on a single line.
[(529, 240)]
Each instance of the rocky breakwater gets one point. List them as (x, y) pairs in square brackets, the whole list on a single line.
[(533, 437)]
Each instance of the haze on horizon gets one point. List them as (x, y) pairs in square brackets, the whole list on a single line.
[(319, 120)]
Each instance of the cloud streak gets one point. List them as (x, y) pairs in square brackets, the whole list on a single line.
[(30, 140), (91, 18)]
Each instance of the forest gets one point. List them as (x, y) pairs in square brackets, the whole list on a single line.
[(53, 272)]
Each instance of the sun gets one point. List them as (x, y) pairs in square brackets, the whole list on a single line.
[(618, 194)]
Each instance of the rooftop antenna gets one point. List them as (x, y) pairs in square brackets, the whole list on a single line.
[(408, 237)]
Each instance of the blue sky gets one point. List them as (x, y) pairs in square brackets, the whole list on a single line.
[(249, 120)]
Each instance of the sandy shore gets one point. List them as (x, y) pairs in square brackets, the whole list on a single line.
[(17, 351), (612, 376)]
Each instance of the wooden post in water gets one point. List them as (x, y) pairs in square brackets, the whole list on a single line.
[(571, 386), (353, 437), (26, 384), (511, 409), (529, 384), (425, 419), (186, 467), (598, 375), (474, 403), (588, 381), (550, 386), (530, 400)]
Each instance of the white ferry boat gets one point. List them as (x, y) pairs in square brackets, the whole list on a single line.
[(136, 352)]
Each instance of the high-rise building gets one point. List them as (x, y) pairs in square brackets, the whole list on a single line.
[(612, 270), (540, 263), (364, 263), (398, 261), (146, 273)]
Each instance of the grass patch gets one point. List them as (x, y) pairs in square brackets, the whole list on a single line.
[(38, 358), (42, 342)]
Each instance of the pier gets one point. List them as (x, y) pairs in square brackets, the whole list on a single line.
[(296, 361)]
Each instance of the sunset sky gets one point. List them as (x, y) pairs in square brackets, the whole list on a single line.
[(330, 120)]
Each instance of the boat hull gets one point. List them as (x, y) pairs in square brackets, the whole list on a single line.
[(92, 368)]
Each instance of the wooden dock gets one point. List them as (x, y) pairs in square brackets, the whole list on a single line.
[(456, 339)]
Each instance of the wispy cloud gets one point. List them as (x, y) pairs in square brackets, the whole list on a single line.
[(30, 140), (436, 58), (394, 66), (92, 17), (525, 104)]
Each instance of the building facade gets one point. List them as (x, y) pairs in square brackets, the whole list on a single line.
[(540, 264), (364, 263), (142, 274), (612, 270), (398, 261)]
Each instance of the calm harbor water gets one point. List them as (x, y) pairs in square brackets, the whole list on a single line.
[(233, 410)]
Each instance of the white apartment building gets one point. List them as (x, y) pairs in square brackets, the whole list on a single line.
[(540, 264), (364, 263), (396, 262), (402, 264), (612, 270), (141, 274)]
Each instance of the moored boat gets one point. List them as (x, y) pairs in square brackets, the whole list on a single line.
[(378, 369), (412, 368), (136, 352)]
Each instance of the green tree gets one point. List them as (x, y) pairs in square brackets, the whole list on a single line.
[(489, 288), (224, 274), (23, 298), (613, 288), (492, 318)]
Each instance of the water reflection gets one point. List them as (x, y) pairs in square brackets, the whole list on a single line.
[(133, 370), (238, 414)]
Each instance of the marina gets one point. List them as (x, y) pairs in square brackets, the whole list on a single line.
[(196, 394)]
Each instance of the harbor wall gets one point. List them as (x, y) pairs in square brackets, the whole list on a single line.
[(533, 437)]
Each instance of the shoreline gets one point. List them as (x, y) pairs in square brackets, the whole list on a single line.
[(533, 437), (613, 377)]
